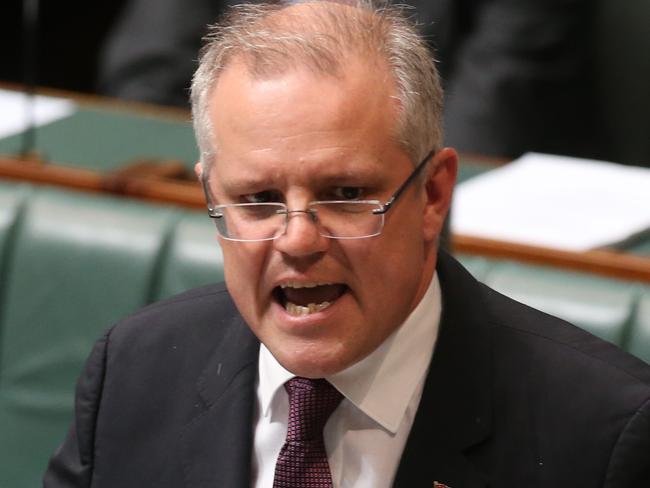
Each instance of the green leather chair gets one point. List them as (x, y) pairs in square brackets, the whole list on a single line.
[(638, 340), (77, 264), (600, 305), (193, 257), (12, 199)]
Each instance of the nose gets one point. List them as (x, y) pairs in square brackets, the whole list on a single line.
[(302, 237)]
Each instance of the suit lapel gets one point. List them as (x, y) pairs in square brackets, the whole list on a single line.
[(217, 442), (455, 410)]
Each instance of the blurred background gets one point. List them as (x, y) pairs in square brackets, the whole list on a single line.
[(557, 76), (70, 37)]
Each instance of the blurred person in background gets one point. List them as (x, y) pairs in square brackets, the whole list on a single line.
[(517, 74)]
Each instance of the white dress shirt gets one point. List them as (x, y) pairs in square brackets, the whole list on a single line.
[(366, 434)]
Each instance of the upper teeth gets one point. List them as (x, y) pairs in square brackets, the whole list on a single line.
[(298, 284)]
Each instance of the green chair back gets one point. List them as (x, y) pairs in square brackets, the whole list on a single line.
[(78, 264), (193, 257)]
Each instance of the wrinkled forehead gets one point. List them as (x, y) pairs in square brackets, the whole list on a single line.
[(288, 108)]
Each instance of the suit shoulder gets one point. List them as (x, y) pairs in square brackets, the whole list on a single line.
[(201, 311), (210, 297)]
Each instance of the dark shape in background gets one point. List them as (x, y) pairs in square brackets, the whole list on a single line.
[(70, 36)]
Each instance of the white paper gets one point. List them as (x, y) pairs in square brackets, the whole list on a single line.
[(16, 111), (555, 201)]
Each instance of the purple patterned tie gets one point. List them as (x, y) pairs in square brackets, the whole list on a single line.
[(302, 462)]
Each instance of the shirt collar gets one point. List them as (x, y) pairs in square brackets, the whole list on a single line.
[(272, 376), (383, 383)]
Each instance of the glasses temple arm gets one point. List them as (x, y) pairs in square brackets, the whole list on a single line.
[(206, 193), (386, 206)]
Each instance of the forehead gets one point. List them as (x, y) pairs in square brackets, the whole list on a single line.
[(300, 111)]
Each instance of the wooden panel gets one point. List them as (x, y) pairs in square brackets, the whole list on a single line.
[(602, 262), (132, 180)]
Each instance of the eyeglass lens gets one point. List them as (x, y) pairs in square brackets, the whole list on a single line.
[(336, 219)]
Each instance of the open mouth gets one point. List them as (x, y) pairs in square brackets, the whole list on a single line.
[(307, 298)]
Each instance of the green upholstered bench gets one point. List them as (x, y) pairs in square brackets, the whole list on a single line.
[(192, 257), (637, 339), (71, 264), (615, 310)]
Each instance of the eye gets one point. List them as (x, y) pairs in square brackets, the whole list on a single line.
[(266, 196), (347, 192)]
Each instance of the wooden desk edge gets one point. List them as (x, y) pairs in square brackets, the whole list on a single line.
[(185, 193), (602, 262)]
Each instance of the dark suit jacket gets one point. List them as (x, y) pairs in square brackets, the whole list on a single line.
[(514, 398)]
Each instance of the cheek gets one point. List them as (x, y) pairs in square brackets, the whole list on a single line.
[(395, 263), (242, 271), (389, 264), (404, 240)]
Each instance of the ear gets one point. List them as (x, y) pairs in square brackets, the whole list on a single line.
[(439, 187), (198, 169)]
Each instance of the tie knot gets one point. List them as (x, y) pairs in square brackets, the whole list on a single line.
[(311, 402)]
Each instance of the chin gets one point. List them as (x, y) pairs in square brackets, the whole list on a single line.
[(310, 364)]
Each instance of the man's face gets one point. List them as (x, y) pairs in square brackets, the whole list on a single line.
[(299, 137)]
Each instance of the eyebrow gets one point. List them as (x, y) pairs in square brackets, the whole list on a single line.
[(349, 174)]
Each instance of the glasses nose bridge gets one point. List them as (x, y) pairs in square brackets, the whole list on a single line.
[(304, 237), (291, 213), (309, 211)]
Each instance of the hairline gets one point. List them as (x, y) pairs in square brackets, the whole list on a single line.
[(202, 101)]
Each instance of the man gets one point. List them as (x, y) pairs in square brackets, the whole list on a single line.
[(322, 163)]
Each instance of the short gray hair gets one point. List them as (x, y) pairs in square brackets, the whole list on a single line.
[(270, 43)]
